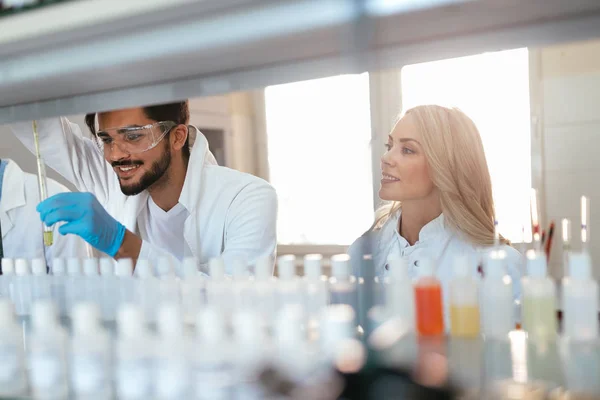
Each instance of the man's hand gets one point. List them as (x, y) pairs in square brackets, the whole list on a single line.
[(84, 216)]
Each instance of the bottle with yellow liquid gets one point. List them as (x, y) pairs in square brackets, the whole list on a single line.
[(464, 301)]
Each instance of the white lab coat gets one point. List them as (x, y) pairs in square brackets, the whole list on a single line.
[(22, 235), (437, 243), (231, 214)]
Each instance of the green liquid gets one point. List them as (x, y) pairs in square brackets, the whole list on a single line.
[(48, 238), (539, 316)]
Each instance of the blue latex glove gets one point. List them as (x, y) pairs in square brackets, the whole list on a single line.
[(84, 216)]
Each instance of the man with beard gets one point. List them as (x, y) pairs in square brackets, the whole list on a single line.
[(150, 188)]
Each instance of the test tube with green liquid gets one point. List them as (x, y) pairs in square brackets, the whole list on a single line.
[(48, 235)]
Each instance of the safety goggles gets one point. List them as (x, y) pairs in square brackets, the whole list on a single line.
[(133, 139)]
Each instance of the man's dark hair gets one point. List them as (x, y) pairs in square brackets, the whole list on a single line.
[(178, 112)]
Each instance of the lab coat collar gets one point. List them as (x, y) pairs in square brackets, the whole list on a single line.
[(433, 230), (199, 156), (13, 194)]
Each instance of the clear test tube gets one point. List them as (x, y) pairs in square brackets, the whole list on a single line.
[(42, 184), (585, 222)]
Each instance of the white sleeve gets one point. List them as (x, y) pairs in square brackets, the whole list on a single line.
[(250, 225), (68, 152)]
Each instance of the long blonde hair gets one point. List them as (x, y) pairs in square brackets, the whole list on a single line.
[(454, 152)]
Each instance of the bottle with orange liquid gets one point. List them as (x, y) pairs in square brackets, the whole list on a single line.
[(428, 301), (464, 301)]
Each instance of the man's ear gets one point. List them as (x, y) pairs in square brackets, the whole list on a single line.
[(179, 136)]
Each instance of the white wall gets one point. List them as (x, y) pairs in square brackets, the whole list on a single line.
[(569, 78)]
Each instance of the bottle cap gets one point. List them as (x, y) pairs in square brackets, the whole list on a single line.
[(73, 266), (580, 266), (190, 267), (495, 264), (22, 267), (8, 266), (58, 267), (164, 268), (107, 267), (263, 270), (340, 266), (143, 269), (398, 267), (240, 269), (90, 267), (124, 267), (216, 267), (536, 264), (286, 267), (313, 266), (38, 267)]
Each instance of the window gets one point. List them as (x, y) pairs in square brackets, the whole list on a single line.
[(493, 89), (318, 135)]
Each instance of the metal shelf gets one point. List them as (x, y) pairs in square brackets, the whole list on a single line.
[(95, 55)]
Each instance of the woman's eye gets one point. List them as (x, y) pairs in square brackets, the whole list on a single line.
[(106, 140), (388, 146), (406, 150), (133, 137)]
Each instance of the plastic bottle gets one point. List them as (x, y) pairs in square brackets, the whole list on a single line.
[(338, 343), (294, 357), (243, 292), (288, 283), (464, 300), (342, 284), (219, 288), (92, 284), (316, 290), (58, 290), (7, 277), (264, 290), (147, 290), (173, 373), (252, 352), (126, 283), (74, 284), (539, 299), (135, 355), (496, 298), (40, 281), (47, 356), (213, 360), (109, 290), (22, 297), (168, 285), (399, 293), (193, 290), (90, 355), (429, 307), (580, 299), (13, 383)]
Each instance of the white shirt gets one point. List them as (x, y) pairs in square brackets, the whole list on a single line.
[(437, 243), (165, 228), (21, 224), (231, 214)]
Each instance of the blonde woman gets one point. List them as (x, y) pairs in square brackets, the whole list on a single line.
[(436, 180)]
